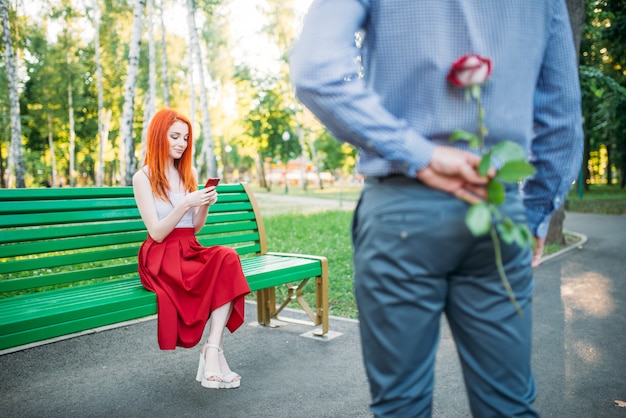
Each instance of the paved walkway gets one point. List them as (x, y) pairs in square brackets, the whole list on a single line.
[(579, 357)]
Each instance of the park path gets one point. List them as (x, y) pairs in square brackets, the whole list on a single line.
[(277, 204), (578, 355)]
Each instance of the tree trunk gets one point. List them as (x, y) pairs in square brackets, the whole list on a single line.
[(192, 104), (72, 150), (5, 138), (576, 10), (207, 152), (609, 162), (127, 143), (16, 159), (150, 103), (53, 160), (164, 78), (102, 138)]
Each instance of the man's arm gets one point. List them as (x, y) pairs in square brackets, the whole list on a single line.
[(556, 150), (325, 73)]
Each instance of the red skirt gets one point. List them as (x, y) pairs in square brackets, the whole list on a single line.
[(190, 282)]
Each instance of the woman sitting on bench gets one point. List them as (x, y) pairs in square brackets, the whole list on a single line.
[(192, 283)]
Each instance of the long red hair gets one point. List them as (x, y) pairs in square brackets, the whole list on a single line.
[(157, 154)]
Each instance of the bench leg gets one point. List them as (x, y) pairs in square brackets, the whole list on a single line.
[(267, 309), (266, 305), (321, 293), (266, 301)]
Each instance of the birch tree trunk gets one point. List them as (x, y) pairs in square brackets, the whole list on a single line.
[(5, 138), (101, 136), (150, 106), (16, 166), (127, 143), (144, 127), (53, 159), (303, 176), (207, 152), (72, 150), (164, 78), (192, 104)]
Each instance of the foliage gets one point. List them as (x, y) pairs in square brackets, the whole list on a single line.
[(269, 123), (603, 82), (54, 46), (336, 156)]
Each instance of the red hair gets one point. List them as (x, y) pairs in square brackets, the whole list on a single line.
[(157, 154)]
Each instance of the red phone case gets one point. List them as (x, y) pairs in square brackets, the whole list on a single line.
[(212, 182)]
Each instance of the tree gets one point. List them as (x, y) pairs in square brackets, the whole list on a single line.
[(102, 131), (206, 160), (164, 77), (16, 160), (150, 101), (127, 143), (603, 50)]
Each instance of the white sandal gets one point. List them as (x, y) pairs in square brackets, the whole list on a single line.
[(215, 379), (228, 380)]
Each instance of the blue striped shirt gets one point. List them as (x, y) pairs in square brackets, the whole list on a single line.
[(390, 98)]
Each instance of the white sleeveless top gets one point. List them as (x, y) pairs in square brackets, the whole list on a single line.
[(164, 208)]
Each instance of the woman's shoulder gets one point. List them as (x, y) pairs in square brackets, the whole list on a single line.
[(141, 175)]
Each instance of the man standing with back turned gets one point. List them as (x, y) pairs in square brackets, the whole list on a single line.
[(414, 257)]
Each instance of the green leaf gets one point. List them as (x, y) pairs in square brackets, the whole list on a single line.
[(495, 192), (508, 151), (512, 233), (523, 236), (507, 231), (513, 171), (461, 135), (485, 164), (478, 219)]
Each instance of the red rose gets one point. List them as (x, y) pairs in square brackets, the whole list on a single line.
[(470, 70)]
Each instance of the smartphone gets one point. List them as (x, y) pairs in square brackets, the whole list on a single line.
[(213, 181)]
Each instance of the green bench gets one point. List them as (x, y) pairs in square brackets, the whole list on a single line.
[(68, 261)]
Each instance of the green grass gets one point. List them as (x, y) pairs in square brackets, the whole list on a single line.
[(598, 199), (321, 233), (328, 233)]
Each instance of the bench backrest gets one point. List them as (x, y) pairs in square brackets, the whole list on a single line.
[(69, 236)]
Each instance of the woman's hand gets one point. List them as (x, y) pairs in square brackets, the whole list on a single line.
[(204, 197)]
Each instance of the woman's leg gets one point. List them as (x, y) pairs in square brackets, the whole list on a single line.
[(216, 360)]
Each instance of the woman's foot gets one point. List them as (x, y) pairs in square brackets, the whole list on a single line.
[(209, 374), (230, 379)]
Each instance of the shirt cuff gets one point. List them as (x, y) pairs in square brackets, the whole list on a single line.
[(538, 222), (422, 154)]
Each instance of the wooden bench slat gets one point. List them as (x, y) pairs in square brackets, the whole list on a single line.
[(50, 262), (53, 218), (53, 279), (75, 243), (72, 230), (30, 335), (39, 206)]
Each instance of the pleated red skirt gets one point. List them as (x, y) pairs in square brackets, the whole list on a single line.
[(190, 282)]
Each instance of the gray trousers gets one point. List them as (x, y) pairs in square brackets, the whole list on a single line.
[(415, 259)]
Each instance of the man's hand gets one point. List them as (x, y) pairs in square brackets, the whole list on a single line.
[(540, 243), (456, 172)]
